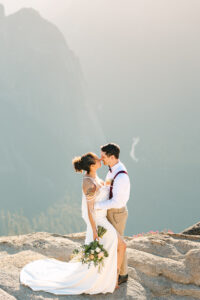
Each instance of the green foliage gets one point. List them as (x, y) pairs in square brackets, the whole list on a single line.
[(101, 231), (93, 253), (63, 217)]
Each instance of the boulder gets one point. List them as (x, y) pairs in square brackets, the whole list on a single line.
[(194, 229), (162, 266)]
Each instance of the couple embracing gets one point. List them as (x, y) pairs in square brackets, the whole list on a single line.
[(103, 204)]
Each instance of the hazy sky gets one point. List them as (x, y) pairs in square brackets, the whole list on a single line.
[(47, 7), (126, 47), (142, 54), (113, 38)]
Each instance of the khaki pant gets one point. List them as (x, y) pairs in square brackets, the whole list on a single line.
[(118, 217)]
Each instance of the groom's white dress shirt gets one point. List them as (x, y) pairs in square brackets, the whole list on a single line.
[(121, 189)]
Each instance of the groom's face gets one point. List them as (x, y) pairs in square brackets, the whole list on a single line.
[(105, 159)]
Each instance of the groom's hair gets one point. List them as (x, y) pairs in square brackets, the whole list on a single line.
[(111, 149)]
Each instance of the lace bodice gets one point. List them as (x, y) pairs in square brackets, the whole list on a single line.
[(101, 195), (102, 190)]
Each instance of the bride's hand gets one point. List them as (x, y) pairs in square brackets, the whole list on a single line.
[(102, 182), (95, 236)]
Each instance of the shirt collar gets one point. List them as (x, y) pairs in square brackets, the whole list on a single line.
[(116, 166)]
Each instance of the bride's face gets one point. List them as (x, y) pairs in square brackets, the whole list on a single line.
[(97, 164)]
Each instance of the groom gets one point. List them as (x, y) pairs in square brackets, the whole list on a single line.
[(117, 212)]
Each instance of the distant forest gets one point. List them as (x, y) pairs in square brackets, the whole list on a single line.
[(59, 218)]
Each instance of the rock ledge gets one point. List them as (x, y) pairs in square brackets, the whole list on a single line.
[(161, 266)]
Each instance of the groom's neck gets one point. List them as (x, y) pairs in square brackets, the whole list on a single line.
[(114, 163)]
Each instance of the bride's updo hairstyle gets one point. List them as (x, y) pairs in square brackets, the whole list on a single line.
[(83, 163)]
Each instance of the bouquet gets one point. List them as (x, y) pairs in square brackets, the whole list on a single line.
[(93, 253)]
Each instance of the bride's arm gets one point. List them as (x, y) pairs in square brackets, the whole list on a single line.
[(90, 193)]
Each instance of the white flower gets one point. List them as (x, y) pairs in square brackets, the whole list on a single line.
[(101, 254), (97, 249), (92, 251)]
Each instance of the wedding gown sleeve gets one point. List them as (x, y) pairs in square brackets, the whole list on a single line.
[(89, 189)]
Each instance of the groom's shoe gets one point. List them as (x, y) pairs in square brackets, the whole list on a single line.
[(122, 278)]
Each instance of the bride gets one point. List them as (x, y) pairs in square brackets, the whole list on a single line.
[(72, 278)]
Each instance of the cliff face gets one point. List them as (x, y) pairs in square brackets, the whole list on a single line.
[(161, 266), (44, 116)]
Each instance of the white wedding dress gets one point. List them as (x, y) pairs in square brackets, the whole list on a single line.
[(73, 278)]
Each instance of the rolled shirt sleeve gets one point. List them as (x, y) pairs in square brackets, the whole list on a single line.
[(121, 193)]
